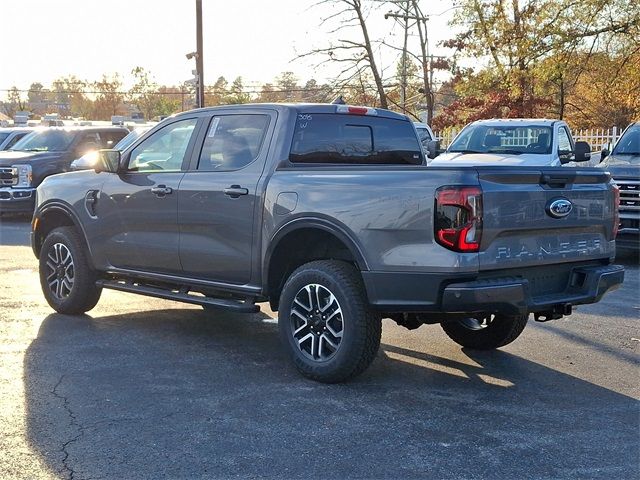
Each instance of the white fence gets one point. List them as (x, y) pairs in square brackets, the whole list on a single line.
[(596, 137)]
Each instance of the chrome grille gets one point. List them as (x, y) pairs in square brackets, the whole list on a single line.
[(629, 194), (8, 176)]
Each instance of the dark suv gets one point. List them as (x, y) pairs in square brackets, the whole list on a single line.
[(46, 152)]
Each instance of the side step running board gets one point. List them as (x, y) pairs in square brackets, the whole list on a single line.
[(179, 296)]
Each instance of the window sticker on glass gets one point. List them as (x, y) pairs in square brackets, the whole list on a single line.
[(214, 127)]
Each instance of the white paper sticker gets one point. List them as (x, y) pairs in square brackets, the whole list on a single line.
[(214, 127)]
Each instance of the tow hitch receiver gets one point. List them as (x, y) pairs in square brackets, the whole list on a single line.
[(557, 312)]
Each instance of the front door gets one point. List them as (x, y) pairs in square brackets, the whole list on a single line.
[(218, 201), (138, 207)]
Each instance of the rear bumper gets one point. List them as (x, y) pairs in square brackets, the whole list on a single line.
[(508, 293), (17, 200), (513, 295)]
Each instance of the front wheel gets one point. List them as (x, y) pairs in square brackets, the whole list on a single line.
[(485, 332), (326, 323), (67, 279)]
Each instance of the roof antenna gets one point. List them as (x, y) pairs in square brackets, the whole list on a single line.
[(339, 100)]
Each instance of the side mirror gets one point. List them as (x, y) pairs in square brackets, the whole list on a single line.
[(433, 149), (85, 162), (108, 161), (604, 154), (582, 152)]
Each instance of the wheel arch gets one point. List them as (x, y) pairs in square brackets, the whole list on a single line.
[(50, 216), (322, 238)]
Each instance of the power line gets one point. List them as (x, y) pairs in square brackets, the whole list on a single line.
[(263, 89)]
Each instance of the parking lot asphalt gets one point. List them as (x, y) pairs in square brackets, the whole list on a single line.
[(143, 388)]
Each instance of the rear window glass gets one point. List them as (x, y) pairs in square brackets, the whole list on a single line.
[(353, 139)]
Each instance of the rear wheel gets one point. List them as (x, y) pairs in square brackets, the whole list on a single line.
[(485, 332), (325, 321), (66, 277)]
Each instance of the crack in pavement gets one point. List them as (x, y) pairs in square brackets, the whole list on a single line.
[(74, 423)]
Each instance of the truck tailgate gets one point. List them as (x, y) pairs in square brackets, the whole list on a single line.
[(523, 225)]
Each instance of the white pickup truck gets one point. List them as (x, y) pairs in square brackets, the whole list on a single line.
[(512, 142)]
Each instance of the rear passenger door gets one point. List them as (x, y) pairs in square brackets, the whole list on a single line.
[(218, 200)]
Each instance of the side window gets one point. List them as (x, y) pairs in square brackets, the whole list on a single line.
[(164, 150), (13, 141), (424, 136), (88, 141), (110, 138), (564, 141), (232, 142)]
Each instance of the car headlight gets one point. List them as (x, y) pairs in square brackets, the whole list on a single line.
[(24, 174)]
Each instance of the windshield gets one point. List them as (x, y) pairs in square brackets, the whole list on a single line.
[(629, 143), (46, 141), (506, 139)]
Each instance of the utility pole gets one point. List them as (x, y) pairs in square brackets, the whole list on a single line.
[(199, 57), (404, 16)]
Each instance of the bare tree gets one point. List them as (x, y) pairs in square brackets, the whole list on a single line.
[(357, 55)]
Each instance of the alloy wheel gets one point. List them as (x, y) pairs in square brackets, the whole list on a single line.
[(60, 271), (317, 322)]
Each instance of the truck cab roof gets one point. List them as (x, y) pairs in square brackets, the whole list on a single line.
[(319, 108), (546, 122)]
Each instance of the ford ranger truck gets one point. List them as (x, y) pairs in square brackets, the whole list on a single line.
[(330, 214), (44, 152), (623, 163)]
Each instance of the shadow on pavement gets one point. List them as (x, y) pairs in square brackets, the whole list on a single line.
[(14, 230), (187, 394)]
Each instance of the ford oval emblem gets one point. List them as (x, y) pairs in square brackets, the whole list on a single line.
[(559, 208)]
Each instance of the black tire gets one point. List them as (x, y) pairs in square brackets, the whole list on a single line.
[(70, 297), (350, 315), (485, 333)]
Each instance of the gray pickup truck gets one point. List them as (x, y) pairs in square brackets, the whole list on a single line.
[(329, 213)]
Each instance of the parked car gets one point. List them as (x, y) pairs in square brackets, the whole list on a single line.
[(45, 152), (89, 159), (514, 142), (9, 136), (425, 134), (624, 164), (329, 213)]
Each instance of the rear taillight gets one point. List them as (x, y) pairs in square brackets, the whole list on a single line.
[(458, 222), (616, 208)]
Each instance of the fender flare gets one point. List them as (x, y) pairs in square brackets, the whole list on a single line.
[(67, 211), (340, 232)]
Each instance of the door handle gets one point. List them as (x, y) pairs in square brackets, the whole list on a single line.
[(161, 190), (234, 191)]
